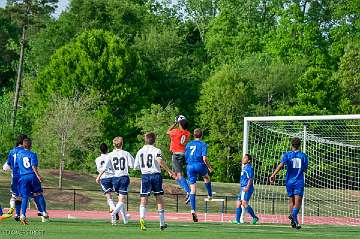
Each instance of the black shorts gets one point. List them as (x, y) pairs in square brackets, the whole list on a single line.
[(178, 160)]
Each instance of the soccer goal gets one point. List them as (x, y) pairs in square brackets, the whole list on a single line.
[(332, 191)]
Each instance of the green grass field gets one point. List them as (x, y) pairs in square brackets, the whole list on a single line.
[(92, 229)]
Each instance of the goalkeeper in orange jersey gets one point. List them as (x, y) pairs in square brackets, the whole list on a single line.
[(179, 137)]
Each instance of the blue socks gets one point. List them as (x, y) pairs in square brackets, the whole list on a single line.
[(40, 202), (208, 188), (295, 212), (193, 201), (251, 211), (184, 184), (238, 214), (17, 207), (1, 211), (24, 203)]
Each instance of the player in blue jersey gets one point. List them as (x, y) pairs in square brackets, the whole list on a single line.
[(30, 181), (15, 200), (246, 190), (197, 164), (296, 164)]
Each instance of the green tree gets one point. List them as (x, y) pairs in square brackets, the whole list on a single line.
[(9, 32), (238, 29), (98, 63), (317, 93), (157, 119), (349, 77), (27, 13), (299, 33), (225, 99), (68, 132)]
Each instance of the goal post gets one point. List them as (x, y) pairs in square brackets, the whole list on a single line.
[(332, 186)]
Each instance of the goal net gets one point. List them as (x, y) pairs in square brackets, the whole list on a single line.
[(332, 183)]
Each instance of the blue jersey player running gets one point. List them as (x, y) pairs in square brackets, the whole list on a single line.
[(197, 164), (296, 164), (15, 201), (246, 191), (30, 181)]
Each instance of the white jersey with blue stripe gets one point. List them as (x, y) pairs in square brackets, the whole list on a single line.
[(102, 165), (146, 160), (120, 161)]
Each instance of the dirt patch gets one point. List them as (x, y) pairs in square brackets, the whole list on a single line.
[(66, 197), (70, 175)]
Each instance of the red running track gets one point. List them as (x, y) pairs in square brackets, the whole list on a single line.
[(186, 217)]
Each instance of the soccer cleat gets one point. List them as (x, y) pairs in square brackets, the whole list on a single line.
[(24, 221), (297, 226), (234, 222), (194, 217), (5, 216), (254, 220), (39, 214), (210, 198), (113, 222), (17, 218), (11, 211), (187, 198), (142, 225), (292, 221), (44, 217), (162, 228)]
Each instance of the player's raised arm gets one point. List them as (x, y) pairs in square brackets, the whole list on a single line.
[(171, 128)]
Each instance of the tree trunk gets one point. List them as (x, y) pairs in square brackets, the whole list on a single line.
[(61, 170), (19, 76), (62, 161)]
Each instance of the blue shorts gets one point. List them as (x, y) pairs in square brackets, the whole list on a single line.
[(195, 169), (245, 195), (151, 183), (107, 185), (293, 190), (29, 184), (121, 184), (15, 186)]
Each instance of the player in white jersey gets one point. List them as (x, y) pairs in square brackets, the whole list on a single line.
[(120, 160), (149, 160), (105, 176)]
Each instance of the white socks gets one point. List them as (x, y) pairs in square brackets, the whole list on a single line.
[(111, 204), (243, 212), (12, 202), (120, 207), (162, 217), (142, 211)]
